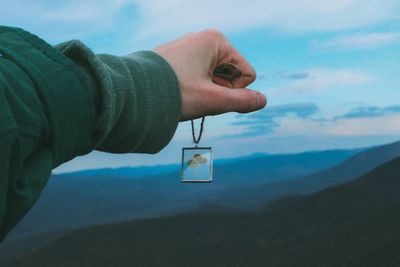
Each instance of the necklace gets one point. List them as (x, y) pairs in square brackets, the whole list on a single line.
[(197, 162)]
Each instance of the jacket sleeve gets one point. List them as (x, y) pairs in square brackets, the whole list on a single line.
[(60, 102)]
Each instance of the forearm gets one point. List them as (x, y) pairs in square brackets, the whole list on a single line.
[(55, 106), (138, 99)]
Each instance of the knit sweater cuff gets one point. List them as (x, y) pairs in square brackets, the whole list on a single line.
[(137, 99), (158, 99)]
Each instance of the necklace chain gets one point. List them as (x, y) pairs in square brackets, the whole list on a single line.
[(197, 140)]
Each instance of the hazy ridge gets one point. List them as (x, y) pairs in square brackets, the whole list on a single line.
[(353, 224)]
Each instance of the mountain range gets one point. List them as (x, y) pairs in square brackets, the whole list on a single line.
[(352, 168), (352, 224), (77, 200), (99, 196)]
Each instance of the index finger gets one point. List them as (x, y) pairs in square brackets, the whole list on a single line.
[(229, 55)]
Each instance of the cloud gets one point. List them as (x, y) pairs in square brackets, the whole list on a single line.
[(299, 119), (89, 11), (317, 80), (364, 126), (60, 20), (154, 18), (388, 125), (366, 112), (359, 41), (296, 75), (290, 15), (302, 110), (267, 120)]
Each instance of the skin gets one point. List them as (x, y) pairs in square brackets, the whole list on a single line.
[(194, 58)]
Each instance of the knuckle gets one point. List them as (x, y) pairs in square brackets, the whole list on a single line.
[(189, 34), (213, 34), (249, 79), (253, 75)]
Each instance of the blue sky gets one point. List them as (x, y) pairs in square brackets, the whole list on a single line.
[(330, 69)]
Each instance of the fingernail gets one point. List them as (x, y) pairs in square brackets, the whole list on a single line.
[(260, 100)]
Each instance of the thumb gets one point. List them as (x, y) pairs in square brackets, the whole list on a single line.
[(240, 100)]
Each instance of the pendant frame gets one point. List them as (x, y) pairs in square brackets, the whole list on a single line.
[(192, 150)]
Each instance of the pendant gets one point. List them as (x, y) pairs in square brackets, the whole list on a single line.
[(197, 162), (197, 165)]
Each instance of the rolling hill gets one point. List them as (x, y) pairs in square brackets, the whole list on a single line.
[(77, 199), (353, 224), (348, 170)]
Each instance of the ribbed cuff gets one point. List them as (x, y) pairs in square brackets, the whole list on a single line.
[(137, 99), (158, 96)]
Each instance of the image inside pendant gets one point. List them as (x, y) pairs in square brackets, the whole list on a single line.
[(197, 165)]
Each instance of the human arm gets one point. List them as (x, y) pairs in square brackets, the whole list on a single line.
[(61, 103)]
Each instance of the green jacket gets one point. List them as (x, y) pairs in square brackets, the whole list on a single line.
[(60, 102)]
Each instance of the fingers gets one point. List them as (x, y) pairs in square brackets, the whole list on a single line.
[(194, 59), (248, 73), (214, 99), (241, 82), (226, 53), (238, 100)]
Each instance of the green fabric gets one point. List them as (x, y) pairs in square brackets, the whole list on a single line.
[(58, 103)]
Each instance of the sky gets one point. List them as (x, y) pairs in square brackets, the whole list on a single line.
[(330, 69)]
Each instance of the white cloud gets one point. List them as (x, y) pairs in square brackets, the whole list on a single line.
[(89, 11), (384, 125), (293, 135), (233, 15), (60, 20), (319, 80), (356, 127), (359, 41), (172, 17)]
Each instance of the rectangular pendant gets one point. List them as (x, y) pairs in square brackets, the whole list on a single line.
[(197, 165)]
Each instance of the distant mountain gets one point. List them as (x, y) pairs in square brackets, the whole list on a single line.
[(264, 167), (132, 172), (348, 170), (353, 224), (71, 201), (353, 167), (144, 171)]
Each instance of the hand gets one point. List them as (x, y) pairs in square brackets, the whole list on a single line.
[(194, 58)]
